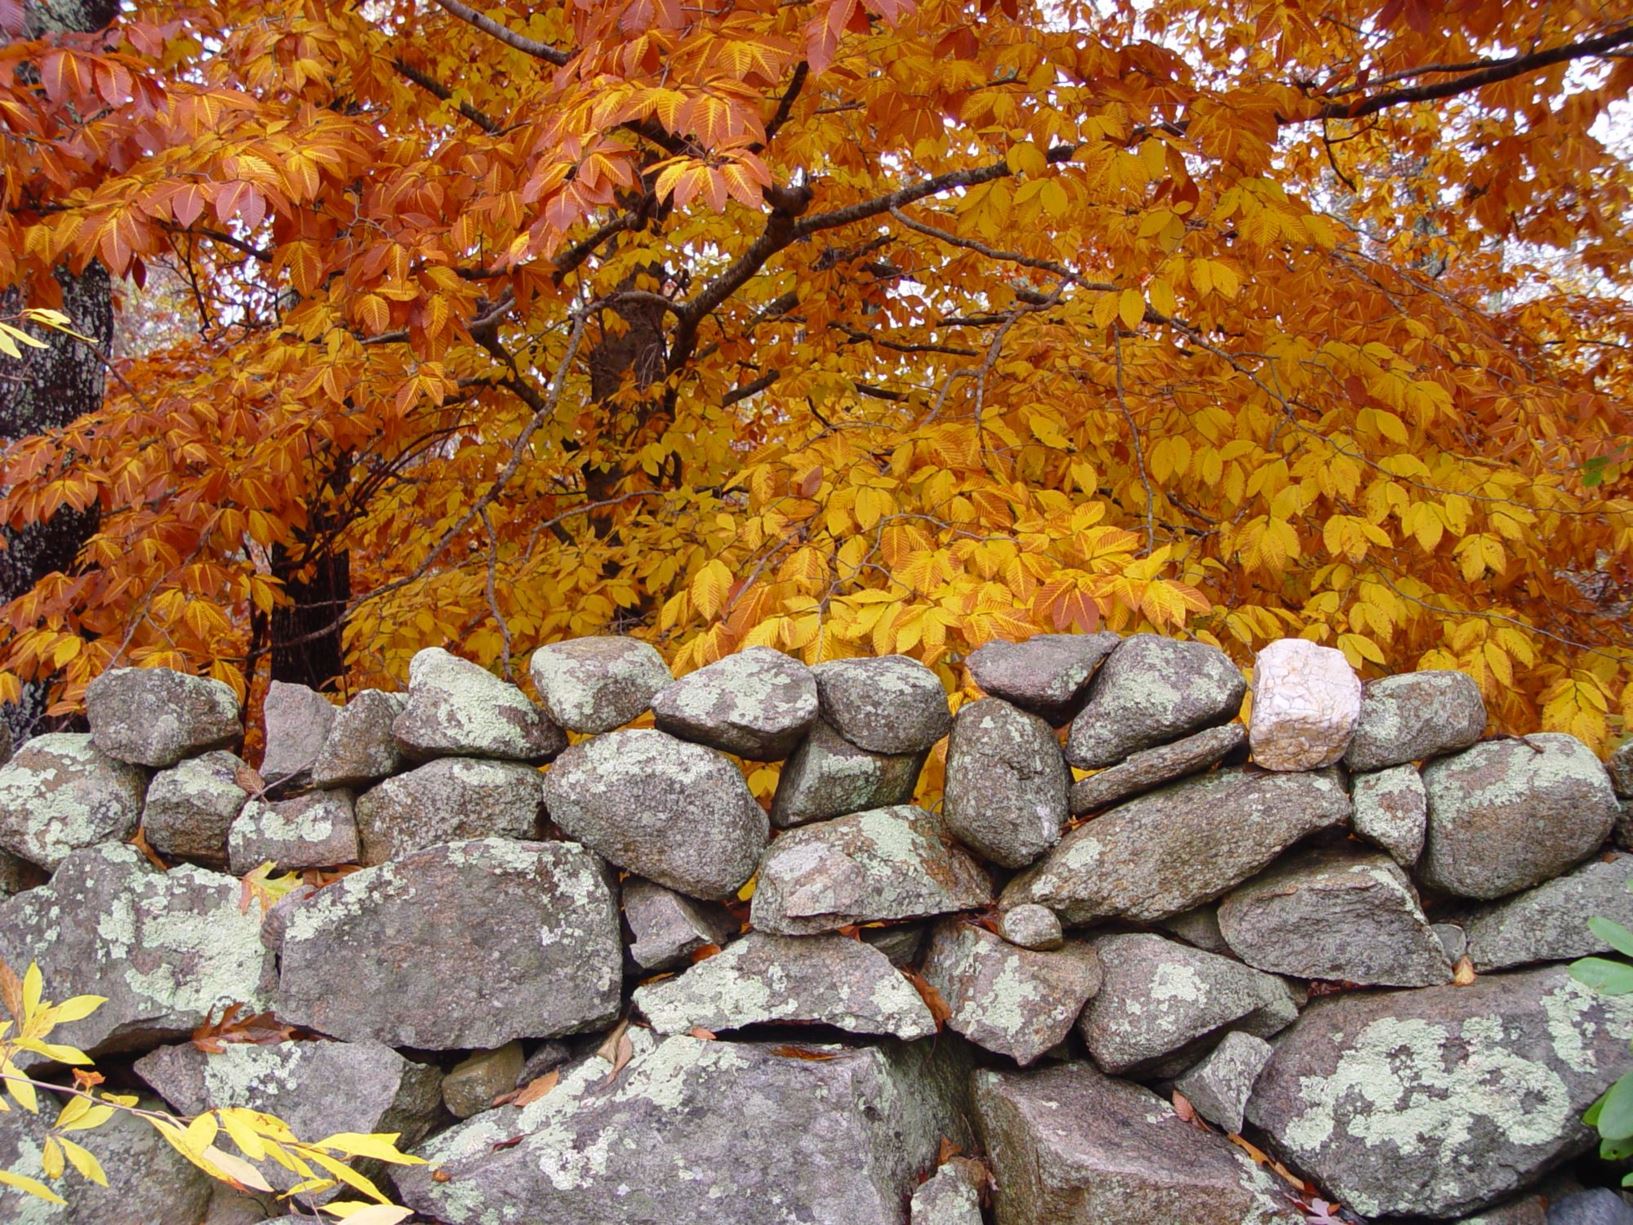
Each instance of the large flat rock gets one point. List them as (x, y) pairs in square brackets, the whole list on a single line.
[(1149, 691), (155, 717), (756, 703), (447, 800)]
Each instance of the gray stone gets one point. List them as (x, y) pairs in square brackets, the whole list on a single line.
[(1010, 1000), (1306, 700), (1620, 766), (889, 704), (505, 939), (1623, 833), (900, 942), (315, 830), (1550, 922), (230, 1207), (17, 875), (1219, 1086), (1168, 851), (1031, 927), (1392, 811), (1442, 1100), (1509, 814), (190, 807), (545, 1057), (669, 927), (1594, 1206), (459, 709), (891, 863), (1199, 928), (1414, 716), (1149, 691), (1047, 674), (829, 980), (597, 684), (950, 1196), (155, 717), (60, 793), (360, 748), (1454, 940), (275, 918), (1069, 1146), (473, 1082), (298, 721), (694, 1130), (446, 800), (1161, 1005), (1006, 783), (757, 703), (666, 809), (1528, 1209), (1151, 768), (828, 776)]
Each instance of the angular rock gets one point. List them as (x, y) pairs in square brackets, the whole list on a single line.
[(950, 1196), (1047, 675), (473, 1082), (506, 940), (547, 1056), (1454, 940), (1069, 1146), (1392, 811), (1199, 928), (1151, 768), (1413, 716), (1622, 836), (315, 830), (1149, 691), (891, 863), (1006, 783), (459, 709), (1550, 922), (1443, 1100), (597, 684), (60, 793), (1010, 1000), (830, 980), (1306, 701), (1338, 914), (360, 748), (1220, 1085), (276, 919), (1509, 814), (155, 717), (1594, 1206), (900, 943), (1168, 851), (447, 800), (1620, 766), (298, 721), (667, 927), (828, 776), (758, 704), (190, 807), (1031, 927), (666, 809), (889, 704)]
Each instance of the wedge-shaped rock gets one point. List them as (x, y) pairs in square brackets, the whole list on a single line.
[(475, 1081), (458, 709), (1047, 674), (155, 717), (1220, 1085), (1069, 1146), (1006, 783), (665, 809), (597, 684), (1413, 716), (1549, 923), (757, 704), (60, 793), (1173, 849), (950, 1196), (461, 946), (190, 807), (315, 830), (891, 863), (832, 980), (298, 721), (1392, 811), (1031, 927), (1306, 700), (1440, 1101), (360, 748), (828, 776), (1011, 1000), (447, 800), (700, 1131), (1151, 768), (889, 704), (1149, 691), (667, 927)]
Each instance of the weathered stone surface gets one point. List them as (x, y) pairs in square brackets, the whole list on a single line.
[(1165, 852), (1453, 939), (1048, 674), (668, 927), (315, 830), (458, 709), (298, 721), (155, 717), (890, 863), (666, 809), (167, 949), (1620, 766), (700, 1131), (546, 1056), (276, 919), (1011, 1000), (1622, 836), (473, 1082), (828, 776), (1149, 691), (446, 800), (190, 807), (1413, 716), (506, 940), (597, 684), (889, 704), (1306, 701), (1031, 927), (1335, 913), (1069, 1146), (758, 704), (360, 748), (60, 793), (1594, 1206), (833, 980), (1151, 768), (901, 943), (1162, 1004), (1509, 814), (1006, 783), (1199, 928), (1440, 1101), (1550, 922), (950, 1196), (1220, 1085), (1392, 811)]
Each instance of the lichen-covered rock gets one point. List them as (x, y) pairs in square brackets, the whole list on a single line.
[(472, 1084), (1335, 913), (1149, 691), (1219, 1086), (950, 1196), (828, 776), (830, 980), (901, 943), (693, 1130), (1199, 928), (155, 717), (360, 748), (447, 800), (1509, 814), (459, 709), (1165, 852), (461, 946), (1440, 1101), (889, 704), (315, 830), (60, 793), (1006, 783), (1069, 1146), (1010, 1000), (1031, 926), (597, 684), (1306, 701), (666, 809), (1549, 923), (1047, 674), (1413, 716), (1392, 811), (667, 927), (758, 704), (298, 721), (890, 863), (190, 807), (1151, 768), (1620, 766)]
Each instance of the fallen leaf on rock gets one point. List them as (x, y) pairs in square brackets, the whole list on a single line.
[(804, 1052), (939, 1011), (704, 952), (537, 1088), (697, 1031), (617, 1050), (1463, 974)]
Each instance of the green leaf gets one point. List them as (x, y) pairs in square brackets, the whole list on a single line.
[(1602, 974), (1616, 1118), (1615, 1150), (1613, 934)]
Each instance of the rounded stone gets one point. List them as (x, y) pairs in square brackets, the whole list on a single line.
[(1006, 783), (1149, 691), (1030, 926), (891, 704), (1306, 700), (597, 684), (191, 806), (1047, 675), (757, 704), (61, 793), (1414, 716), (457, 708), (155, 717)]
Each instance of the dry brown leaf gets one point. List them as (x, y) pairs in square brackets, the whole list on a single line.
[(1463, 973), (704, 952), (536, 1088), (249, 782), (933, 1000), (140, 842), (441, 1176), (11, 991), (1260, 1157), (697, 1031), (949, 1149), (1182, 1106), (617, 1049), (804, 1052), (259, 1029)]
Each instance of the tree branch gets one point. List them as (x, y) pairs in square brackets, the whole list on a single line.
[(527, 46), (441, 92)]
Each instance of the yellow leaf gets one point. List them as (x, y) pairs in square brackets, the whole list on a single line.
[(1162, 297), (381, 1146), (355, 1212), (1131, 308), (1047, 431), (87, 1165), (31, 1185), (234, 1169), (51, 1159), (710, 587)]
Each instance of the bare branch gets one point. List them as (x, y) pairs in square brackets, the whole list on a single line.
[(527, 46)]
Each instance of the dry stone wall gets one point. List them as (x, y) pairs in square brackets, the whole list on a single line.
[(1338, 927)]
